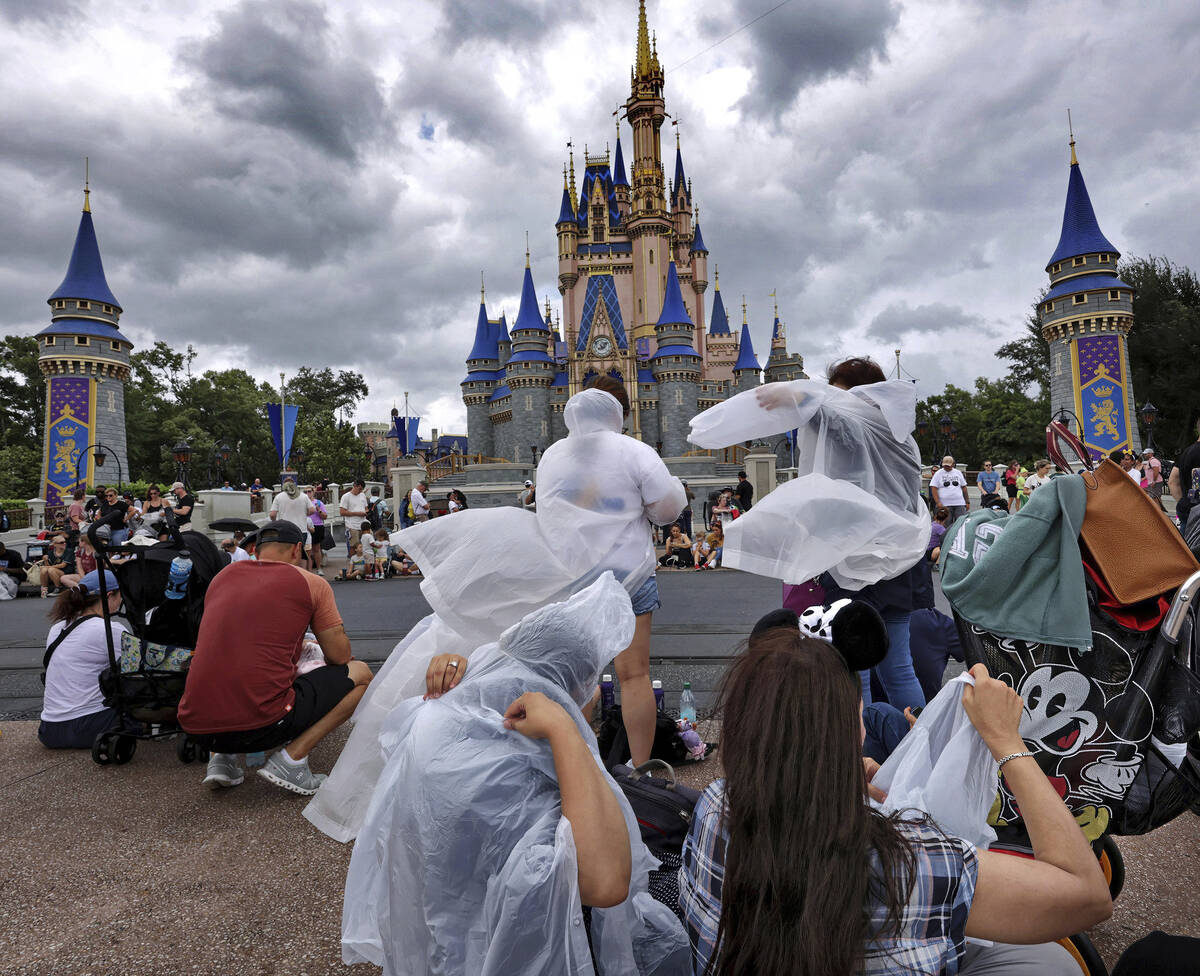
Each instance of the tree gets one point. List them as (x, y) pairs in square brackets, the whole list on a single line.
[(22, 393), (1029, 359)]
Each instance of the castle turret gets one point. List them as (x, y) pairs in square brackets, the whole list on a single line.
[(746, 370), (782, 366), (85, 360), (503, 340), (676, 369), (720, 343), (529, 374), (483, 376), (1086, 317), (620, 183)]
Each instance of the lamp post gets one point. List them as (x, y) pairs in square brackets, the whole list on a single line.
[(1063, 415), (298, 461), (182, 453), (1149, 416), (217, 460), (98, 453), (533, 453), (942, 438)]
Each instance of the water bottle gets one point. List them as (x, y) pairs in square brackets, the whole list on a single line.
[(607, 699), (177, 582), (687, 703), (255, 759), (659, 698)]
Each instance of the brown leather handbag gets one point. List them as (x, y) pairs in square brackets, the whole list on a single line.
[(1131, 541)]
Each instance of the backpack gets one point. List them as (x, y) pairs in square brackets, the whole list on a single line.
[(374, 517)]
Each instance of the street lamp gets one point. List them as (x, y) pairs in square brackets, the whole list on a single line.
[(1149, 416), (533, 451), (182, 453), (298, 461), (98, 452)]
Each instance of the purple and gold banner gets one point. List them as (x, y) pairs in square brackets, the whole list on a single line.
[(70, 422), (1101, 378)]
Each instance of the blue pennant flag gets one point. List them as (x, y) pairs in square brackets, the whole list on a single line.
[(406, 437), (283, 429)]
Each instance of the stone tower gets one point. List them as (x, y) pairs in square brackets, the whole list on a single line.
[(720, 345), (676, 367), (746, 369), (1086, 317), (529, 372), (85, 360), (782, 365), (483, 376)]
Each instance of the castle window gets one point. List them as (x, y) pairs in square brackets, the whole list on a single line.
[(651, 255), (108, 308), (1076, 262), (1048, 307), (1114, 296), (81, 340), (1104, 258), (85, 305), (60, 304), (49, 340), (116, 347), (598, 223), (1079, 299), (1056, 268)]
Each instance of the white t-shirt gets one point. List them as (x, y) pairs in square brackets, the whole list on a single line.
[(950, 486), (294, 510), (1136, 475), (1033, 481), (357, 505), (72, 680), (419, 505), (238, 555)]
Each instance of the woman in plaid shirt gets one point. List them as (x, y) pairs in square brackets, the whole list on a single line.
[(788, 870)]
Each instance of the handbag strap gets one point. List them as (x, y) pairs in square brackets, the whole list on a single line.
[(62, 635), (646, 769), (1057, 431)]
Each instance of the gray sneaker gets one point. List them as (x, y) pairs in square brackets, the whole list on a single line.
[(297, 778), (223, 771)]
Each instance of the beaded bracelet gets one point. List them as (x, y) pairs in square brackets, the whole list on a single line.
[(1014, 755)]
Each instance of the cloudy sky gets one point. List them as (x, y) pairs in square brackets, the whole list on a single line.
[(289, 182)]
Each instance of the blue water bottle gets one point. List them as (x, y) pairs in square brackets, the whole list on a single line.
[(607, 699), (177, 582), (659, 697), (687, 703)]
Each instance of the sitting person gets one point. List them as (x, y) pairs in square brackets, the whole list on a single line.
[(85, 562), (860, 892), (708, 551), (236, 553), (937, 532), (494, 823), (243, 693), (356, 569), (73, 710), (54, 565), (12, 572), (402, 563), (679, 549)]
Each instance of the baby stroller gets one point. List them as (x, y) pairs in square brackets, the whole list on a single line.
[(146, 674)]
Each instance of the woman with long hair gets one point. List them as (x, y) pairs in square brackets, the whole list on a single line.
[(73, 710), (788, 871)]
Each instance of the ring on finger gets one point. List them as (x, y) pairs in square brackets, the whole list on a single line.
[(452, 664)]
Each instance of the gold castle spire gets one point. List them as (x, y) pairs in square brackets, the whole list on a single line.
[(574, 195), (527, 249), (87, 193), (717, 275), (744, 322), (481, 291), (1071, 130), (642, 66)]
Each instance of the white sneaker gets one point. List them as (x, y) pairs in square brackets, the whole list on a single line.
[(223, 771), (296, 777), (320, 572)]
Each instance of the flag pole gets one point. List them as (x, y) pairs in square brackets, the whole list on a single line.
[(283, 444)]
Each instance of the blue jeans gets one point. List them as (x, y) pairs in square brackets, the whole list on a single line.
[(895, 672), (646, 600), (885, 726), (118, 537)]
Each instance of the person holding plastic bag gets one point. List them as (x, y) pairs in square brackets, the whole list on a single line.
[(494, 822), (865, 892), (854, 512)]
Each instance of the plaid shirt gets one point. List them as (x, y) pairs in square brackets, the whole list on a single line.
[(931, 932)]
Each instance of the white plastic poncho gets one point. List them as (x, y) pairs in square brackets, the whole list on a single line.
[(465, 864), (486, 569), (855, 509)]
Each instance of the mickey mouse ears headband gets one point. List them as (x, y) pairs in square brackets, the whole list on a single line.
[(853, 627)]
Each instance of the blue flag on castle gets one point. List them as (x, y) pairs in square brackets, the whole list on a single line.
[(283, 428), (405, 432)]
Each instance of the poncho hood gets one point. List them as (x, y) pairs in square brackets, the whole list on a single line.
[(590, 411)]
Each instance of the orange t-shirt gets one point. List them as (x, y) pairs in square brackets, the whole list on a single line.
[(255, 616)]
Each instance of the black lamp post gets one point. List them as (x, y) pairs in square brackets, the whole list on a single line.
[(182, 453), (298, 462), (218, 460), (533, 453), (1149, 416), (1063, 415), (98, 453)]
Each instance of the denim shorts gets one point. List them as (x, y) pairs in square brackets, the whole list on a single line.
[(646, 600)]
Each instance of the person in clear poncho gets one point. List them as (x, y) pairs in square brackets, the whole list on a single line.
[(854, 513), (494, 822), (488, 568)]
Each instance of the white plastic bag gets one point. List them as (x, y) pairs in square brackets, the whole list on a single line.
[(944, 768)]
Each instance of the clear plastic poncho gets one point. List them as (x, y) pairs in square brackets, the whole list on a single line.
[(487, 568), (465, 864), (855, 509)]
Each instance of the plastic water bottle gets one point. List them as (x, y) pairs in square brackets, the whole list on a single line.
[(607, 699), (659, 698), (177, 582), (255, 759), (687, 703)]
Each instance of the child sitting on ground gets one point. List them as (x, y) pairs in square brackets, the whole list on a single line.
[(358, 564)]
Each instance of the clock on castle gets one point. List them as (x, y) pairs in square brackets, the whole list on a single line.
[(633, 274)]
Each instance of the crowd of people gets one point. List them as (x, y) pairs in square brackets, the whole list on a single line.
[(487, 825)]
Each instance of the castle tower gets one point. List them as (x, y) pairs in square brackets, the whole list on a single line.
[(85, 360), (1086, 317), (620, 183), (676, 368), (746, 369), (529, 373), (483, 376), (698, 272), (782, 365)]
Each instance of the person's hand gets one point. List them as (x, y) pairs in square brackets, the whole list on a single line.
[(871, 767), (536, 716), (995, 710), (909, 717), (773, 396), (445, 672)]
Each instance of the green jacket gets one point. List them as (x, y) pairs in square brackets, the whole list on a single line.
[(1022, 575)]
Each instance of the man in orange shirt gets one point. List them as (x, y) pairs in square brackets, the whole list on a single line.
[(243, 693)]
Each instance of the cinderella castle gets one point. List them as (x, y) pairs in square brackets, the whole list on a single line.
[(632, 272)]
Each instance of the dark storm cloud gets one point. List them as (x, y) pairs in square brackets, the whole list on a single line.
[(506, 23), (901, 319), (807, 42), (47, 12), (278, 64)]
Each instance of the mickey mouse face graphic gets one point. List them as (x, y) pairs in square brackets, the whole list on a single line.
[(1055, 717)]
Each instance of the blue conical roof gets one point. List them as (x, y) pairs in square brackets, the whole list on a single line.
[(528, 315), (85, 273), (698, 240), (485, 339), (680, 176), (1080, 232), (566, 213), (775, 330), (619, 167), (674, 312), (746, 358), (502, 329), (720, 321)]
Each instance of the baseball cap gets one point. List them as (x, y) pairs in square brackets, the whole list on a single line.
[(285, 532), (528, 483), (91, 582), (1148, 450), (178, 484)]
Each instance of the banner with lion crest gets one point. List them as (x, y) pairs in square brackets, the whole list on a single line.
[(1101, 379), (70, 422)]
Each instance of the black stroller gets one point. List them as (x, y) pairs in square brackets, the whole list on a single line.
[(147, 673)]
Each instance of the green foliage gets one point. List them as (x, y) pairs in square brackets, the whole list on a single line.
[(22, 394), (20, 468)]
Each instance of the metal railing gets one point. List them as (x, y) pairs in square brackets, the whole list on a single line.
[(726, 455), (456, 464)]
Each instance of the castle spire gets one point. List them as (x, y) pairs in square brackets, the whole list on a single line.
[(87, 193), (85, 272), (619, 163), (571, 153), (1071, 130), (746, 357), (642, 64), (720, 320), (1081, 232), (566, 210)]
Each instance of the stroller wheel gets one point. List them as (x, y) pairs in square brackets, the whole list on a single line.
[(102, 748), (1085, 955), (123, 749), (185, 749), (1111, 863)]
